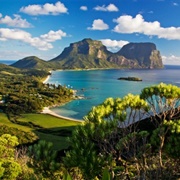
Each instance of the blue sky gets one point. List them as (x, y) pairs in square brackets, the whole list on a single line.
[(45, 27)]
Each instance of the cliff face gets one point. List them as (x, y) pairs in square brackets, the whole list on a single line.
[(90, 53), (86, 47), (123, 62), (145, 54), (84, 54)]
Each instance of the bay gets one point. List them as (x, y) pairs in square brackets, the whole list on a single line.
[(97, 85)]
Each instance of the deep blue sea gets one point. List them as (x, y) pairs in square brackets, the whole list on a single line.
[(97, 85)]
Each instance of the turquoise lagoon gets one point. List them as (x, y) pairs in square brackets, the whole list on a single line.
[(97, 85)]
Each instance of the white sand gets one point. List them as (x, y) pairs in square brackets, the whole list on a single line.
[(46, 110), (47, 78)]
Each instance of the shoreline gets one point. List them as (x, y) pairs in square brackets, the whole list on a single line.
[(47, 78), (46, 110)]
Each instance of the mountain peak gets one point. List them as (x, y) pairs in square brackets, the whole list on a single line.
[(145, 53), (88, 53)]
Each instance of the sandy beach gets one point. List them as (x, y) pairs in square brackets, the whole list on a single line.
[(44, 82), (46, 110), (47, 78)]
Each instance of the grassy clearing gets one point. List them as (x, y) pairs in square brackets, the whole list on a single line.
[(53, 129), (47, 121), (5, 121)]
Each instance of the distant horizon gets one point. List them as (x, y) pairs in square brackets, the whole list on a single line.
[(43, 28), (164, 59), (49, 59)]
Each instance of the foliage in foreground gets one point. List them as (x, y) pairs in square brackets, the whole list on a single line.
[(9, 167), (113, 137), (23, 137), (113, 143)]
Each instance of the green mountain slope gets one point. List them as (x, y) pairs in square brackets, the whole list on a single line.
[(32, 62), (8, 70), (84, 54)]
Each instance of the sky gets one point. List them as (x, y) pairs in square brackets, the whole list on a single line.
[(44, 28)]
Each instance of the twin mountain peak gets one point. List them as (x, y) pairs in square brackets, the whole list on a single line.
[(88, 54)]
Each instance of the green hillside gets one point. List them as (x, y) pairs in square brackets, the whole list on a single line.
[(32, 62)]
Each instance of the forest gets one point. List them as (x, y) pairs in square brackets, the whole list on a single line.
[(133, 137), (24, 92)]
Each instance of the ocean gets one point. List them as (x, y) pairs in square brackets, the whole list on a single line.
[(97, 85), (7, 62)]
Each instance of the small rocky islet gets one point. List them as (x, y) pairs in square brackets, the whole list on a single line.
[(130, 78)]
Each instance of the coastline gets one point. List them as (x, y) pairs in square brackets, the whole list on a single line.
[(47, 78), (59, 114), (46, 110)]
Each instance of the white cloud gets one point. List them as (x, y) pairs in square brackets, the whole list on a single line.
[(46, 9), (41, 43), (175, 4), (83, 8), (12, 54), (110, 8), (53, 36), (98, 24), (113, 45), (172, 59), (16, 22), (128, 24)]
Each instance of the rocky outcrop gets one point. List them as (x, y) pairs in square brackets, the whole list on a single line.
[(145, 54), (123, 62)]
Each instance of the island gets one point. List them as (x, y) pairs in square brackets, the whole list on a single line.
[(130, 78)]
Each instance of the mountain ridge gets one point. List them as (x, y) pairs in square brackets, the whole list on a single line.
[(88, 54)]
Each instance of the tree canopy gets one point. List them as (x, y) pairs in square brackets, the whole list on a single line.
[(112, 135)]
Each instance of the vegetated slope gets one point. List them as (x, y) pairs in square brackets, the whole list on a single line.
[(88, 54), (32, 62), (8, 70), (84, 54)]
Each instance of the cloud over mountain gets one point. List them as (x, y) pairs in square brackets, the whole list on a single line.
[(113, 45)]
